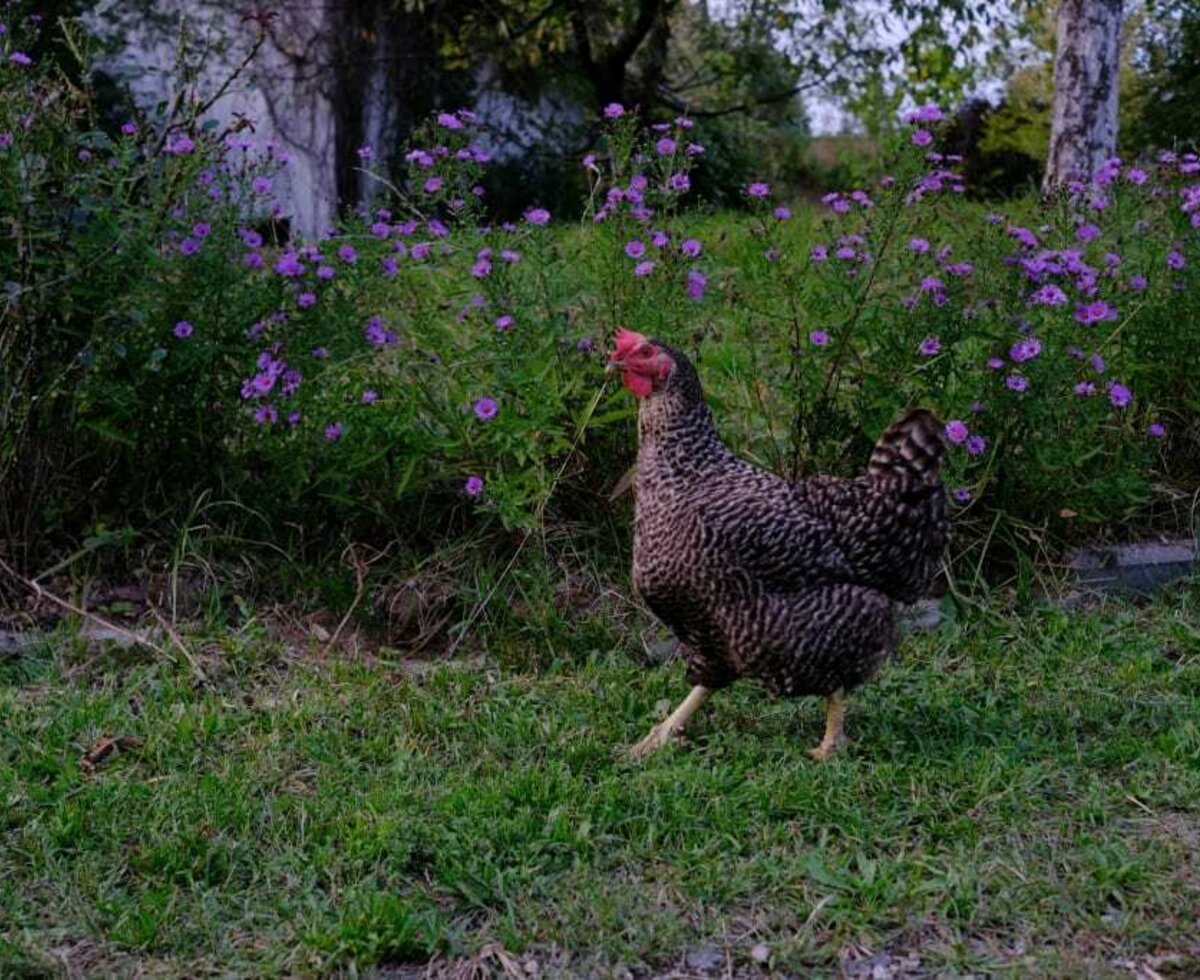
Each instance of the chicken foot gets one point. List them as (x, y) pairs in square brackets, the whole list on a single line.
[(663, 733), (835, 712)]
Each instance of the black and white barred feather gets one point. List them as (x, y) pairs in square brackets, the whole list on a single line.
[(789, 583)]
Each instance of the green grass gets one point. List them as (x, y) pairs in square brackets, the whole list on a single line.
[(1021, 795)]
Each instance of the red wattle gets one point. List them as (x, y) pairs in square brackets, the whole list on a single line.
[(639, 384)]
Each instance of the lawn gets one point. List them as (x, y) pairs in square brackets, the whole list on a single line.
[(1021, 795)]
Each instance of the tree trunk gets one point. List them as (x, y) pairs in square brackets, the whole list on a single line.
[(1083, 121)]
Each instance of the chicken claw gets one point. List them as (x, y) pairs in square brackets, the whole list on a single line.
[(835, 738), (672, 728)]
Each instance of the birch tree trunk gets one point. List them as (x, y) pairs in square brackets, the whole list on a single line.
[(1083, 120)]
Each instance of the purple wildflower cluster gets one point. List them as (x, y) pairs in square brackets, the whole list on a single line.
[(1062, 290)]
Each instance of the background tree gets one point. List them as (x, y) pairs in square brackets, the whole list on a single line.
[(1083, 118)]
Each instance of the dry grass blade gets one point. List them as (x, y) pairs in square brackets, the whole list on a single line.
[(104, 748)]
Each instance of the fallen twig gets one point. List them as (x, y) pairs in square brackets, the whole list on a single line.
[(42, 593)]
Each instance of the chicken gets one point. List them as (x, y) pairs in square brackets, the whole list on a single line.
[(792, 584)]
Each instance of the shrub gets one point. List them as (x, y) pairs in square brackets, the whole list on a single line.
[(420, 370)]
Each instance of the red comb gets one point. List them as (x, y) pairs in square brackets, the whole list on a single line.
[(627, 340)]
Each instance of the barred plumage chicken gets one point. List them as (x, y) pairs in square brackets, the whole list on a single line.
[(792, 584)]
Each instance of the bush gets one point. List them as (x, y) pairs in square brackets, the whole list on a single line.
[(421, 371)]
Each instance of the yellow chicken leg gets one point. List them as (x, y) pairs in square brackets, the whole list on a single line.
[(664, 731), (835, 712)]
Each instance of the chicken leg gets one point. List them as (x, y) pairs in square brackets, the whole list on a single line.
[(835, 712), (665, 731)]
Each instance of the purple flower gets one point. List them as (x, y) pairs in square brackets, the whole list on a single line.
[(680, 183), (253, 260), (289, 265), (931, 284), (432, 185), (129, 128), (1175, 259), (614, 110), (334, 432), (1135, 175), (660, 239), (1137, 283), (486, 409), (1097, 363), (365, 152), (347, 254), (179, 145), (183, 330), (420, 251), (1118, 394), (696, 284), (1016, 382), (537, 216), (976, 445), (375, 333), (846, 253), (758, 190), (1024, 236), (782, 213), (261, 185), (1156, 430), (1094, 312), (995, 364), (922, 137), (962, 495), (370, 396), (20, 58), (694, 150), (665, 147), (250, 237), (190, 246), (818, 338), (635, 249), (326, 272), (957, 432), (930, 347), (928, 113), (381, 229), (508, 255), (1048, 295), (1085, 389), (266, 414), (919, 245), (201, 229), (691, 248), (1087, 233), (1025, 350), (819, 253), (473, 486), (261, 384), (306, 299), (449, 121), (505, 322), (643, 268)]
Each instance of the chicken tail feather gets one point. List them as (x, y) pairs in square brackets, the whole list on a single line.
[(909, 455)]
